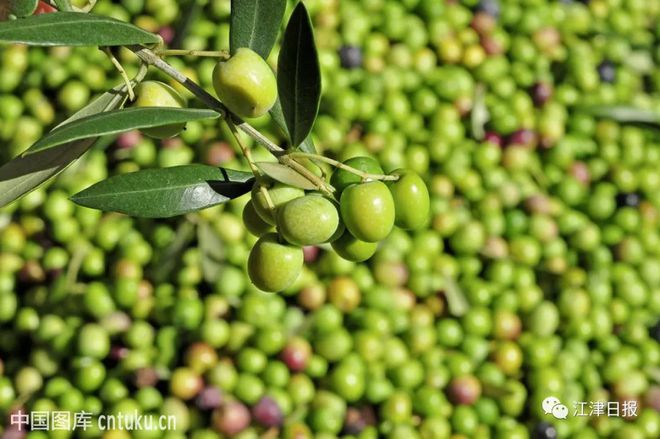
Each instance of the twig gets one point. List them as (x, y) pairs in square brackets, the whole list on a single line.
[(309, 175), (152, 59), (122, 72), (244, 149), (183, 52), (364, 175)]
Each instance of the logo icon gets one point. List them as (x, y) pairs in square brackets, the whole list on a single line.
[(553, 406)]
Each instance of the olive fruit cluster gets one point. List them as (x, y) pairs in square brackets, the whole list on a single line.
[(366, 212)]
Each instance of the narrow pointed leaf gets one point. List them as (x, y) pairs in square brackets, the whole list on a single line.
[(286, 175), (255, 24), (20, 175), (627, 114), (299, 76), (211, 249), (307, 145), (110, 100), (23, 174), (163, 193), (479, 114), (119, 121), (73, 29)]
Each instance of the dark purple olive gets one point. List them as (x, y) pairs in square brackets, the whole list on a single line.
[(490, 7), (209, 398), (607, 71), (630, 199), (267, 413), (541, 92), (544, 430), (350, 57)]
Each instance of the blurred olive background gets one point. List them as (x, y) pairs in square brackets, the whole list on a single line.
[(538, 275)]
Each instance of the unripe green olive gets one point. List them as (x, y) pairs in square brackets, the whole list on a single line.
[(411, 200), (368, 210), (279, 194), (308, 220), (341, 178), (274, 266), (245, 84), (159, 94), (352, 249), (253, 221)]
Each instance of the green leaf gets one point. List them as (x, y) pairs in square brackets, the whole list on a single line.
[(73, 29), (110, 100), (626, 114), (23, 174), (276, 113), (255, 24), (286, 175), (165, 260), (299, 76), (479, 114), (119, 121), (211, 249), (23, 8), (163, 193), (456, 301)]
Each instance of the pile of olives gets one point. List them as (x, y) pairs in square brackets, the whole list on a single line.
[(365, 215)]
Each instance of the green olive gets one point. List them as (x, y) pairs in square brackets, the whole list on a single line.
[(279, 195), (352, 249), (274, 266), (341, 178), (159, 94), (245, 84), (368, 210), (308, 220), (253, 221), (411, 200)]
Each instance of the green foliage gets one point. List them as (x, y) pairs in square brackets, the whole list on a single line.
[(73, 29), (119, 121), (626, 114), (299, 76), (286, 175), (255, 24), (23, 174), (163, 193)]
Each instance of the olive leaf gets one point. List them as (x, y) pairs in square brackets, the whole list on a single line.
[(73, 29), (286, 175), (23, 174), (479, 114), (163, 193), (626, 114), (299, 76), (119, 121), (211, 249), (276, 113), (255, 24), (456, 300)]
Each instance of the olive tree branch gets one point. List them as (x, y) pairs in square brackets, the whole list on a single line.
[(364, 175), (244, 149), (222, 54), (150, 58)]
